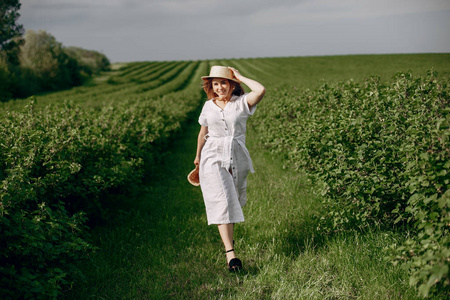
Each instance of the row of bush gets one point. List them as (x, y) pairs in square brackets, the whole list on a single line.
[(42, 64), (101, 92), (382, 154), (56, 163)]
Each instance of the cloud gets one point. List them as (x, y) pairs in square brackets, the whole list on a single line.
[(260, 12), (330, 10), (128, 30), (212, 8), (64, 4), (222, 8)]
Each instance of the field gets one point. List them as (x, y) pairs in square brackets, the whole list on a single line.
[(102, 167)]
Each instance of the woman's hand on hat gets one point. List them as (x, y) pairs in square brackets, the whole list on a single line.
[(197, 161), (236, 73)]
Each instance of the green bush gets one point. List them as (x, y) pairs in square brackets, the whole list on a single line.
[(40, 243), (90, 62), (56, 163), (5, 80), (382, 153), (42, 64)]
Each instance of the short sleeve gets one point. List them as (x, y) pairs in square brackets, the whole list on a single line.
[(246, 106), (202, 118)]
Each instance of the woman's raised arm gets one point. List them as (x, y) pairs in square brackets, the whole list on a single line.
[(258, 90)]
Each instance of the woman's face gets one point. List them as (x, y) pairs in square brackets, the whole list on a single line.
[(221, 87)]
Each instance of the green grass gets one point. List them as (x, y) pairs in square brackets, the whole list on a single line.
[(159, 246)]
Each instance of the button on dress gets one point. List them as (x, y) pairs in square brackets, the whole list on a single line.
[(225, 161)]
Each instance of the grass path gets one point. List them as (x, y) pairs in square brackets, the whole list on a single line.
[(160, 246)]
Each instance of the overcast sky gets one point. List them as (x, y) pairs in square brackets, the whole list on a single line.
[(138, 30)]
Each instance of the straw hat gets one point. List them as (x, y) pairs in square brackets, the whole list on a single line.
[(221, 72), (193, 177)]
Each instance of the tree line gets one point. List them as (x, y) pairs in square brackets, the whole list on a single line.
[(34, 61)]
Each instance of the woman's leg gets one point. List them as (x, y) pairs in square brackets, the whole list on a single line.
[(226, 233)]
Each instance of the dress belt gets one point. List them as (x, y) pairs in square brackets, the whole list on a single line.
[(227, 143)]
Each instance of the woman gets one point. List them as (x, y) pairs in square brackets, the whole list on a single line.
[(222, 157)]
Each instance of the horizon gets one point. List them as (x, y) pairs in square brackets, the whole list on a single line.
[(293, 56)]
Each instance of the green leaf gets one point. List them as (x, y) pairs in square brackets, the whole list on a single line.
[(424, 156)]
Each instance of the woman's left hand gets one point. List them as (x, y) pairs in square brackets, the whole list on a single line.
[(236, 73)]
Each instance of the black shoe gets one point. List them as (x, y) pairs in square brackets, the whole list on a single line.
[(235, 264)]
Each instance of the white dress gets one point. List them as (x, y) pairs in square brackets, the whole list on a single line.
[(225, 161)]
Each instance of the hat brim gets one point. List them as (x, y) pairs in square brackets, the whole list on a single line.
[(208, 77)]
